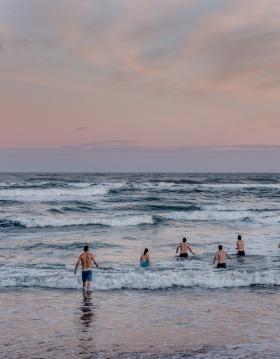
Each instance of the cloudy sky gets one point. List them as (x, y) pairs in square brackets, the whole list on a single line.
[(108, 85)]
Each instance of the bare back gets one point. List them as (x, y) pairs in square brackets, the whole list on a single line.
[(86, 259), (183, 246), (240, 245), (221, 256)]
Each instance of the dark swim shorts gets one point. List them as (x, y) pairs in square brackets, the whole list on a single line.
[(241, 253), (87, 275), (221, 265), (183, 255)]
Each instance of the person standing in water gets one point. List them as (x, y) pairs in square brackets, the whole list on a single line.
[(86, 259), (240, 246), (184, 247), (220, 257), (145, 261)]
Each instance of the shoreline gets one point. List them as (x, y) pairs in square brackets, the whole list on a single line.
[(139, 324)]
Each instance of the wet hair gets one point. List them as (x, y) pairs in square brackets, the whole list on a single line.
[(184, 240), (146, 251), (220, 247), (86, 248), (239, 237)]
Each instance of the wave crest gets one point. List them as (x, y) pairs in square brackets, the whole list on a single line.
[(141, 279), (44, 221)]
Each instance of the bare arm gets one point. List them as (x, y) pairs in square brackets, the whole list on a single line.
[(94, 261), (178, 247), (237, 246), (215, 258), (228, 256), (190, 249), (77, 265)]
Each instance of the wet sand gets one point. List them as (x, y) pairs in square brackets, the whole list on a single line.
[(239, 323)]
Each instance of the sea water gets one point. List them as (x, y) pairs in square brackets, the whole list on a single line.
[(46, 219), (174, 309)]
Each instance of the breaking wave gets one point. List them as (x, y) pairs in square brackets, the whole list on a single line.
[(139, 279), (44, 221)]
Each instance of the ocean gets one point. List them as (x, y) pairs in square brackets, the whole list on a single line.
[(176, 308)]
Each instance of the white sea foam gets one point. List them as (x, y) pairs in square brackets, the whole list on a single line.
[(77, 192), (140, 279), (211, 186), (60, 220), (265, 217)]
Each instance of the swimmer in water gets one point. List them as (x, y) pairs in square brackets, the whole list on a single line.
[(220, 257), (145, 261), (184, 247), (240, 246)]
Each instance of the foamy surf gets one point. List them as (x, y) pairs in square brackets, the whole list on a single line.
[(74, 192), (106, 280), (94, 220)]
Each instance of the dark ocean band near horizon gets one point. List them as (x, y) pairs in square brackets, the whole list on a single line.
[(174, 309)]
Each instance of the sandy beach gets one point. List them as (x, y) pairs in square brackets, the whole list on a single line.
[(133, 324)]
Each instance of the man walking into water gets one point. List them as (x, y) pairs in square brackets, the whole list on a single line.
[(240, 246), (184, 247), (220, 257), (86, 259)]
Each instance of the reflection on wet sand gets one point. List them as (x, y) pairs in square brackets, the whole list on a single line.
[(87, 314), (87, 345)]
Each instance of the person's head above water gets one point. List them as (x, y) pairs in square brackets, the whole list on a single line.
[(184, 239), (239, 237), (86, 248), (146, 251), (220, 247)]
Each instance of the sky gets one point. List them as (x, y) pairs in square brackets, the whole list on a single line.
[(130, 85)]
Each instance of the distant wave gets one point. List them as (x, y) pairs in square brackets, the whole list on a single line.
[(105, 280), (43, 222), (223, 216), (78, 208), (5, 223), (167, 207), (69, 191), (8, 202), (67, 246), (58, 194), (85, 216)]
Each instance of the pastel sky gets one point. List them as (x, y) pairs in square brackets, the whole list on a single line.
[(139, 85)]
